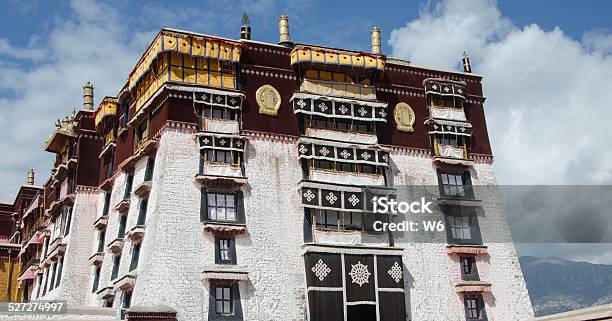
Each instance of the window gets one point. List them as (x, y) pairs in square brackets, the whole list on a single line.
[(468, 268), (39, 281), (225, 251), (448, 140), (215, 112), (221, 156), (126, 300), (368, 169), (68, 214), (149, 170), (128, 186), (46, 277), (221, 207), (135, 256), (109, 303), (142, 133), (125, 115), (474, 307), (101, 237), (455, 184), (463, 229), (106, 207), (223, 300), (323, 164), (59, 267), (142, 212), (110, 160), (96, 279), (345, 167), (122, 222), (115, 270), (52, 277), (341, 124), (329, 219), (450, 102), (57, 227)]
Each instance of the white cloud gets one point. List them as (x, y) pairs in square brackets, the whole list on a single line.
[(46, 83), (547, 98)]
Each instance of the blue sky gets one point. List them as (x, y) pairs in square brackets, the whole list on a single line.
[(544, 64)]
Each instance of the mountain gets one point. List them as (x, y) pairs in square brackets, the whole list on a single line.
[(556, 285)]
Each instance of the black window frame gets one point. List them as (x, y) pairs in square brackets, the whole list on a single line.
[(142, 211), (58, 271), (106, 208), (224, 300), (101, 240), (96, 278), (149, 169), (448, 187), (129, 181), (469, 269), (230, 250), (475, 237), (122, 226), (474, 307), (135, 257), (116, 265)]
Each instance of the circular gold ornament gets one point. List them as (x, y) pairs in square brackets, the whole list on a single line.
[(404, 117), (268, 99)]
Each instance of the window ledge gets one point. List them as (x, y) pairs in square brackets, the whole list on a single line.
[(107, 185), (136, 234), (105, 293), (224, 228), (101, 222), (116, 246), (467, 249), (96, 258), (123, 206), (143, 189), (472, 286), (221, 180), (467, 202), (125, 283)]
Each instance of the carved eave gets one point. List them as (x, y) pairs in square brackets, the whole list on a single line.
[(105, 293), (107, 185), (54, 208), (224, 229), (125, 283), (123, 206), (221, 181), (143, 189), (96, 258), (136, 234), (110, 146), (116, 246), (467, 249), (68, 200), (101, 222), (472, 287)]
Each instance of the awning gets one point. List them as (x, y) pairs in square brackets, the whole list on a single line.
[(333, 107), (107, 109), (223, 142), (340, 198), (473, 286), (226, 99), (348, 154), (37, 238), (444, 88), (225, 275), (437, 126)]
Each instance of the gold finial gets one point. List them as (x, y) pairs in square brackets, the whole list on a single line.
[(376, 47), (245, 30), (466, 63), (88, 96), (30, 179), (283, 28)]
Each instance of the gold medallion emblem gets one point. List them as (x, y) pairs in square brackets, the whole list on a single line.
[(268, 99), (404, 117)]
